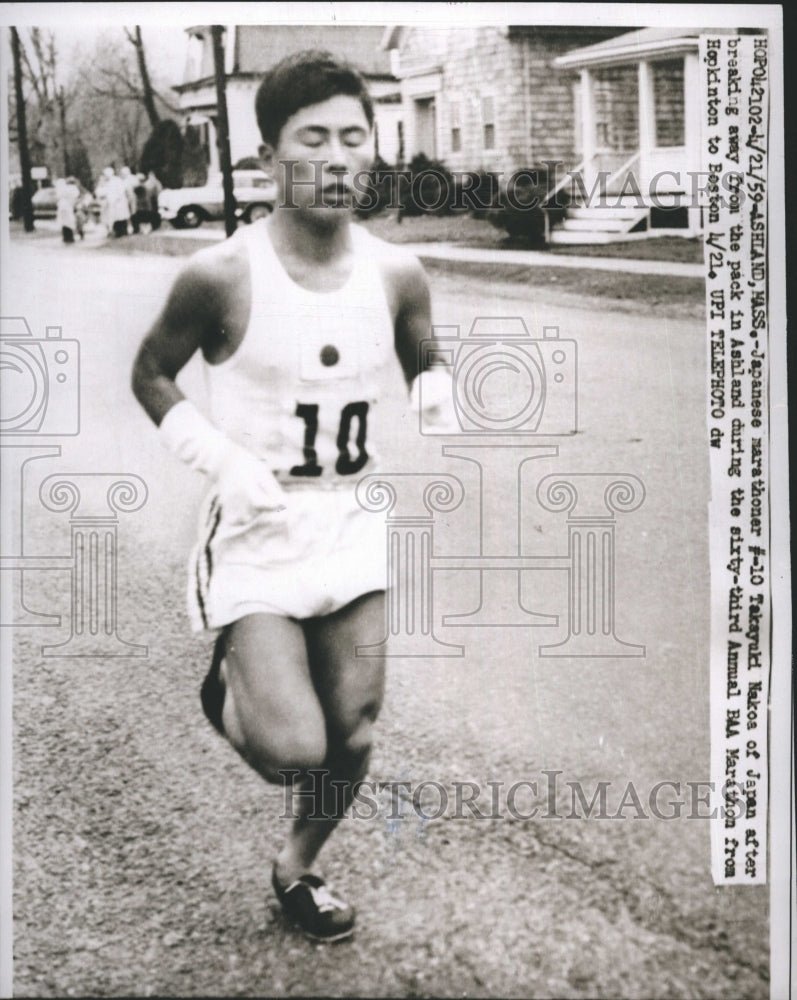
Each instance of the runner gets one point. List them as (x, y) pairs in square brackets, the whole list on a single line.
[(296, 316)]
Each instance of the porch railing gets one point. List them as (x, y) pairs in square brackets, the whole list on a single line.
[(623, 170), (620, 172), (552, 194)]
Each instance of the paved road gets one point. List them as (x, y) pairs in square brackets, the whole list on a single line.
[(142, 844)]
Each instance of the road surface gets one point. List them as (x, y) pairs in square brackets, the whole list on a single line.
[(143, 844)]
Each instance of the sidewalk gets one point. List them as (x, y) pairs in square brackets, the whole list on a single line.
[(455, 253), (540, 258)]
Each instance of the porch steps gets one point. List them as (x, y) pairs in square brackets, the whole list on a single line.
[(562, 236), (600, 221), (603, 212)]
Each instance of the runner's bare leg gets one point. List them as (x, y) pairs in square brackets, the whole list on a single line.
[(350, 690), (299, 699)]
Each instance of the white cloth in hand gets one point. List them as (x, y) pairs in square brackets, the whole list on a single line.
[(245, 483), (432, 398)]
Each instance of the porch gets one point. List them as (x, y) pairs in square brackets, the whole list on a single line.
[(638, 140)]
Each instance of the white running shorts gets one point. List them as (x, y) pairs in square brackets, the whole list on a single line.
[(315, 557)]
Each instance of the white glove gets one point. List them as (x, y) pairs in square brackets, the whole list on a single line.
[(432, 398), (246, 485)]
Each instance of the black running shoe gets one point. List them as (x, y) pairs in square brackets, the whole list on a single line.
[(212, 692), (308, 903)]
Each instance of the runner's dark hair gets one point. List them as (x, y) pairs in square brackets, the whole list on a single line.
[(301, 80)]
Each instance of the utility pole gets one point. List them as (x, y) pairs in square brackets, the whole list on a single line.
[(62, 113), (22, 135), (223, 129)]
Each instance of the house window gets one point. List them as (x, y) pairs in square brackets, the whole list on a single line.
[(668, 102), (193, 67), (488, 123), (616, 109), (456, 127)]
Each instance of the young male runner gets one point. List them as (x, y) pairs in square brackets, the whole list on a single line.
[(296, 317)]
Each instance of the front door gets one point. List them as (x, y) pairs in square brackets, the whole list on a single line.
[(425, 127)]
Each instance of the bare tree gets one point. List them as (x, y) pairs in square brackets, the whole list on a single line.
[(38, 58), (116, 77), (22, 133), (117, 101), (148, 94)]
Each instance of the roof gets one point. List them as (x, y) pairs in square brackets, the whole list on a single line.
[(634, 45), (260, 46), (392, 37)]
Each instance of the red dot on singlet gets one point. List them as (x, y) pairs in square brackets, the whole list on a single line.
[(329, 355)]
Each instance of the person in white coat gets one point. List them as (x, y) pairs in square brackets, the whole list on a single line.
[(66, 194), (118, 209)]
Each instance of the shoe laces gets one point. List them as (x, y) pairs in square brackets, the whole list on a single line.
[(324, 900)]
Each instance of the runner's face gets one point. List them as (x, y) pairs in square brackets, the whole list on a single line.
[(327, 145)]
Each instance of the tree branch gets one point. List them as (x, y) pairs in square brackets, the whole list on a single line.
[(121, 78), (29, 72), (149, 102), (114, 94)]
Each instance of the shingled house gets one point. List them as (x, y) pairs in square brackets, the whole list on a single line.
[(252, 49), (489, 97), (503, 99)]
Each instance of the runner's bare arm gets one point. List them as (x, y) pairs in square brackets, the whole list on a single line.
[(429, 381), (195, 317), (188, 322), (413, 323)]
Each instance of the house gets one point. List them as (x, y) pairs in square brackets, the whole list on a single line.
[(612, 105), (489, 97), (252, 49), (604, 102)]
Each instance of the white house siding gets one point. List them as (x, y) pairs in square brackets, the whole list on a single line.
[(250, 47), (532, 101), (244, 133)]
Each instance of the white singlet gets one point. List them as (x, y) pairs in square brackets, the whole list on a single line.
[(300, 388), (299, 392)]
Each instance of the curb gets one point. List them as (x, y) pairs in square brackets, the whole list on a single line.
[(536, 258)]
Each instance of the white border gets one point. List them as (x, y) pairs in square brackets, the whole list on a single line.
[(768, 16)]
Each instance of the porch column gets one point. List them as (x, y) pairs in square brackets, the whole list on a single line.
[(647, 124), (692, 129), (587, 122)]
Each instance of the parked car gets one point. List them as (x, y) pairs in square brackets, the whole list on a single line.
[(187, 208), (45, 203)]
